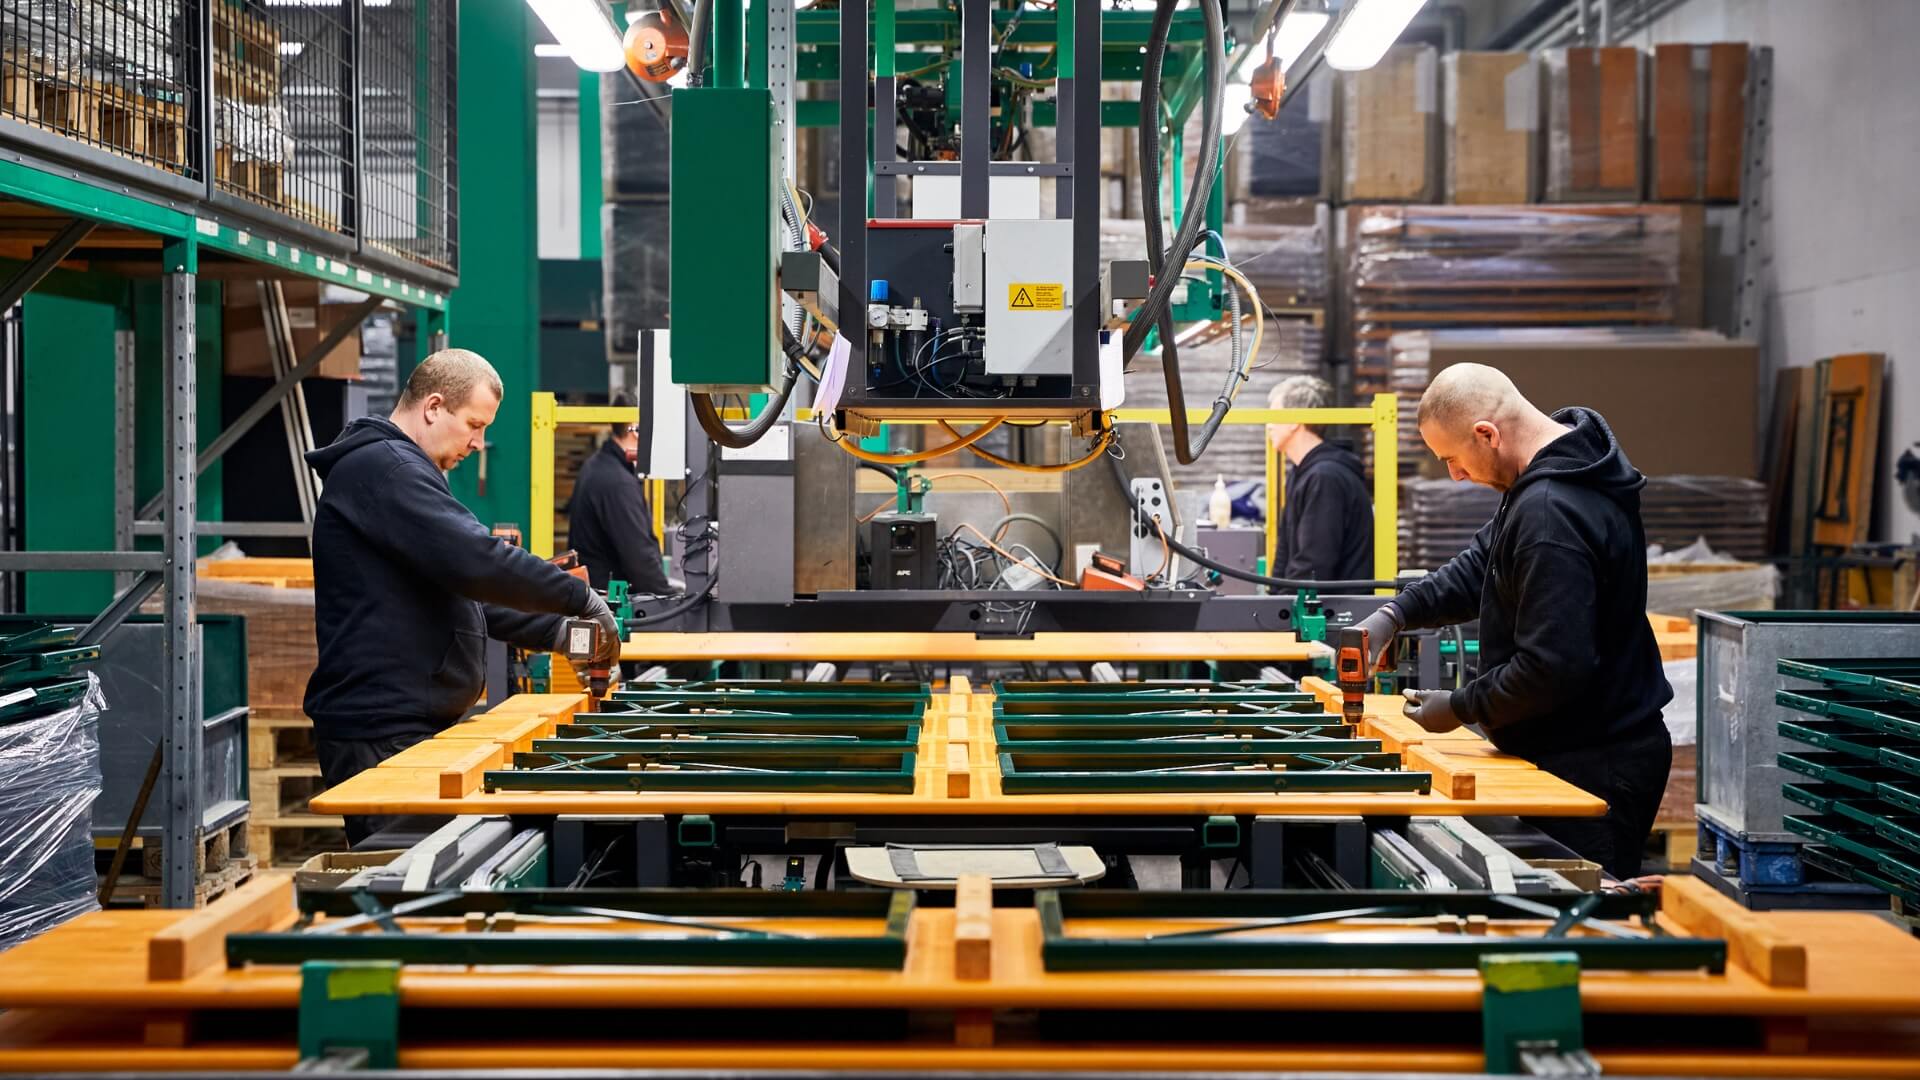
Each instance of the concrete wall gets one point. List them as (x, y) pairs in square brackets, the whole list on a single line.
[(1845, 227)]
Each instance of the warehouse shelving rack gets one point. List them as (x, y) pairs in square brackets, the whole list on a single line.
[(234, 141)]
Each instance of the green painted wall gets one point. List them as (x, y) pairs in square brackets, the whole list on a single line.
[(495, 311), (68, 327)]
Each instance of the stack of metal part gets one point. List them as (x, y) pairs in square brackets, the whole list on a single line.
[(1057, 738), (49, 778), (1861, 733), (732, 736)]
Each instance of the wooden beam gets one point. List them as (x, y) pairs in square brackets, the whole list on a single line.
[(198, 942), (959, 771), (462, 777), (973, 928), (1449, 779), (1751, 943)]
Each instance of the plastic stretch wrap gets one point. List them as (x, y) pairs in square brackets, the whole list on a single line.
[(635, 270), (1412, 268), (1697, 578), (1287, 155), (253, 132), (44, 31), (1594, 125), (131, 40), (49, 778)]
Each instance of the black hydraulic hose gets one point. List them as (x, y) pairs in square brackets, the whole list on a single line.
[(741, 438), (1167, 264), (887, 471), (830, 255), (686, 604), (697, 36)]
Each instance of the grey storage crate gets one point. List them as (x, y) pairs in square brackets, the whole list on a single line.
[(1740, 654)]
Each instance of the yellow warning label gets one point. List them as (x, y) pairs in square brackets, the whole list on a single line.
[(1036, 296)]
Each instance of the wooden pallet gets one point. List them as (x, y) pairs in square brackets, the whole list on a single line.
[(255, 179), (150, 892), (215, 851), (282, 842), (281, 792), (278, 741), (110, 116)]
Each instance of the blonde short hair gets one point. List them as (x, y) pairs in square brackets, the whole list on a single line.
[(454, 374)]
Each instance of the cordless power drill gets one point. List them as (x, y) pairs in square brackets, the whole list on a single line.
[(583, 651), (1350, 668)]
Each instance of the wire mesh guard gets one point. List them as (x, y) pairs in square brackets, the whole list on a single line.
[(336, 113), (112, 74)]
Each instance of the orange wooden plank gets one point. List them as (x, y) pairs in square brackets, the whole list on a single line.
[(1726, 120), (973, 928), (1619, 121), (198, 941), (1752, 942), (1676, 175), (463, 775), (1449, 778)]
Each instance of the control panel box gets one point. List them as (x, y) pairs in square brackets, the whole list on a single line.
[(1029, 297)]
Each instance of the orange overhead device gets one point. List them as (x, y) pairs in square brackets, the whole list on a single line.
[(656, 47), (1268, 82)]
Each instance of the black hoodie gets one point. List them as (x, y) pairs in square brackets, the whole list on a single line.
[(1558, 580), (1326, 528), (408, 585), (610, 525)]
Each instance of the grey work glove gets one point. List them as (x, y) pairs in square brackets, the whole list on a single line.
[(1432, 710), (599, 612), (1381, 627)]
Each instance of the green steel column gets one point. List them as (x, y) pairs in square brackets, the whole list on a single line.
[(757, 44), (590, 164), (729, 44), (495, 309)]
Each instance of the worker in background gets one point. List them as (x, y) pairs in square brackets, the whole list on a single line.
[(1570, 676), (1326, 527), (609, 524), (408, 585)]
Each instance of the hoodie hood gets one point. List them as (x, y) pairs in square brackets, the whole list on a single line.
[(362, 432), (1588, 455), (1331, 456)]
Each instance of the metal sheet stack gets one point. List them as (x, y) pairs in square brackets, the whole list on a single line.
[(1439, 517)]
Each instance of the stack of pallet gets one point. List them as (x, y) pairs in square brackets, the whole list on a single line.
[(1440, 267), (98, 71), (251, 143), (276, 596)]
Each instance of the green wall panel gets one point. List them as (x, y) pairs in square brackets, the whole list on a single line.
[(68, 412), (495, 311)]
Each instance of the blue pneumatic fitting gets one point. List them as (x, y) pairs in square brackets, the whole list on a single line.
[(879, 291)]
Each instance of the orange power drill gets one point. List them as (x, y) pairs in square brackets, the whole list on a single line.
[(1350, 670)]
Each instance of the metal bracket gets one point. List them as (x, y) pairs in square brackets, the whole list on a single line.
[(349, 1014), (1530, 1015)]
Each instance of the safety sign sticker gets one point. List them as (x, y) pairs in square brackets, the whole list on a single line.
[(1036, 296)]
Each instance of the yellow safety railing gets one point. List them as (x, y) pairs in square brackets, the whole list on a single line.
[(548, 417), (1382, 416)]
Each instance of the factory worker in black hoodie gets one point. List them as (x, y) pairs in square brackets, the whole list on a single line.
[(1570, 676), (408, 585), (1326, 526)]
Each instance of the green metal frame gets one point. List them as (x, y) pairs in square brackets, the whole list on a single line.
[(1167, 728), (723, 945), (1887, 679), (350, 1007), (1848, 835), (723, 727), (1846, 865), (1529, 1006), (812, 745), (1092, 742), (1023, 773), (1642, 948), (786, 768), (1873, 747), (121, 206)]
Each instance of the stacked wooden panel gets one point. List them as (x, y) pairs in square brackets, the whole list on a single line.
[(1492, 115), (1594, 132), (1389, 128), (1697, 122)]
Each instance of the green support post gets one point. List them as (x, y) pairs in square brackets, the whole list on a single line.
[(498, 302), (1530, 1004), (350, 1006), (729, 45), (590, 182)]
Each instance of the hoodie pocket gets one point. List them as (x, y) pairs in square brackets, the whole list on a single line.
[(461, 676)]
